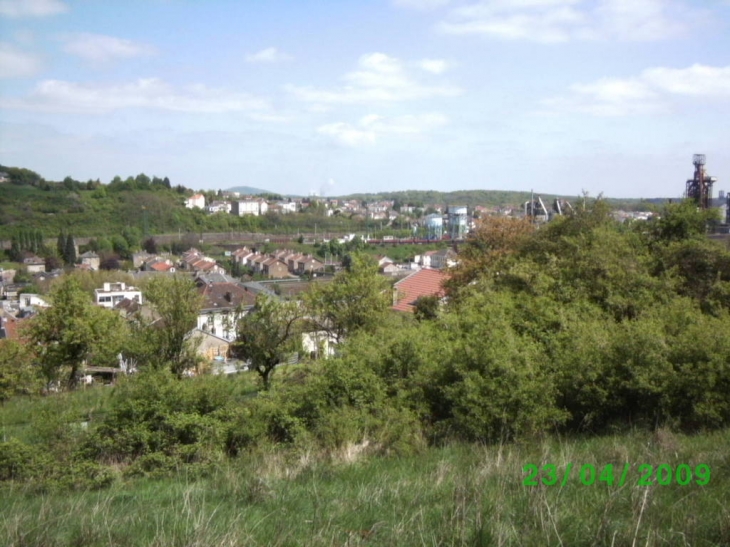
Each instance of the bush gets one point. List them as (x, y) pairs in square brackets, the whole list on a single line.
[(18, 461)]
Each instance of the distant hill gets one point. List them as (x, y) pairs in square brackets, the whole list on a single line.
[(248, 190)]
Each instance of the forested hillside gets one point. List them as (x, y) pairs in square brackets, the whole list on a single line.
[(153, 206)]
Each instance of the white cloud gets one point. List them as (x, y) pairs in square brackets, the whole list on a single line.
[(697, 80), (379, 79), (372, 127), (268, 55), (553, 21), (15, 63), (434, 66), (31, 8), (101, 48), (649, 93), (420, 4), (63, 96)]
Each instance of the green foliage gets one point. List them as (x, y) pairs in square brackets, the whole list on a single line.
[(162, 337), (268, 335), (355, 300), (683, 220), (17, 375), (74, 331), (69, 250), (160, 418), (427, 308)]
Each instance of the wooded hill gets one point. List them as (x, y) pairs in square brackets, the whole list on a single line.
[(154, 206)]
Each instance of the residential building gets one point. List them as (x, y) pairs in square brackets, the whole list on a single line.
[(91, 259), (408, 290), (195, 261), (219, 207), (159, 264), (224, 303), (113, 293), (445, 258), (34, 264), (211, 346), (28, 300), (138, 259), (308, 265), (244, 207), (196, 201), (273, 268), (287, 206)]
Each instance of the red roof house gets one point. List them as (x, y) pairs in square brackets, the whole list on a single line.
[(408, 290)]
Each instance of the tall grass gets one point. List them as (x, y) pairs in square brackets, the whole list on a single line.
[(456, 495)]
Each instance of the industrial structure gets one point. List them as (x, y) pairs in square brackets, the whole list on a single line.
[(699, 188), (535, 210), (562, 206), (434, 227), (458, 222)]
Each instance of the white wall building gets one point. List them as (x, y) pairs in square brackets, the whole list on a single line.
[(254, 207), (28, 300), (113, 293), (196, 201), (219, 207)]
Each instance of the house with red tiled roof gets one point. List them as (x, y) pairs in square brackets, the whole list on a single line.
[(162, 267), (195, 260), (241, 255), (408, 290)]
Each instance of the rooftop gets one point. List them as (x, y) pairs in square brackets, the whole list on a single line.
[(419, 284)]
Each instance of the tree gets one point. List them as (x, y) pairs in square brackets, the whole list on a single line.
[(17, 376), (493, 239), (150, 245), (74, 331), (679, 221), (164, 339), (53, 263), (427, 308), (61, 245), (268, 335), (69, 253), (110, 262), (355, 300)]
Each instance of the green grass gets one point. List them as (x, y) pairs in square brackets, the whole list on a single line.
[(454, 495)]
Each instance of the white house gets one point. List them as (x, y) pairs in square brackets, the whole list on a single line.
[(287, 206), (318, 344), (254, 207), (219, 207), (113, 293), (28, 300), (195, 202)]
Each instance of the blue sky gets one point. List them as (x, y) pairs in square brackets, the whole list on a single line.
[(335, 97)]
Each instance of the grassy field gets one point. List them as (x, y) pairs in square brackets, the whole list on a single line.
[(454, 495)]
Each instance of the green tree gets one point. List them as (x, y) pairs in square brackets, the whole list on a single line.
[(164, 339), (684, 220), (69, 253), (17, 376), (427, 308), (355, 300), (74, 331), (268, 335)]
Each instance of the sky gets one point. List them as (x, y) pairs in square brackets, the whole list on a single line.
[(341, 96)]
